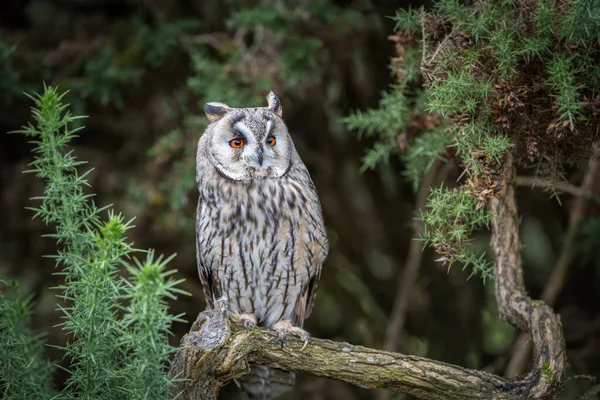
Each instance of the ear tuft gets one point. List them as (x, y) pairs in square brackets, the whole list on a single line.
[(215, 111), (274, 104)]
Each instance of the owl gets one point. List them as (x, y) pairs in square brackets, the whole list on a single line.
[(260, 236)]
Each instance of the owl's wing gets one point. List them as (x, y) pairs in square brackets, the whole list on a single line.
[(311, 292), (208, 277), (317, 249), (313, 283)]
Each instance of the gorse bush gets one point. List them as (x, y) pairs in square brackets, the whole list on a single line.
[(476, 81), (117, 327), (24, 372)]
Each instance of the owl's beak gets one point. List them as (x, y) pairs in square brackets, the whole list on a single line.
[(254, 158)]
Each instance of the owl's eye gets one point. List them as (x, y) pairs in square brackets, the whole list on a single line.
[(271, 141), (236, 143)]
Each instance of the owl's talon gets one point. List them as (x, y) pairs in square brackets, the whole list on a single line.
[(306, 340), (247, 319), (282, 336), (285, 327)]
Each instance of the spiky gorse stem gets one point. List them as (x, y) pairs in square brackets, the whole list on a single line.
[(118, 329), (24, 373), (147, 323)]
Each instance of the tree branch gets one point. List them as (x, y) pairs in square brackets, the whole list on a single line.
[(221, 351), (566, 187), (522, 347), (515, 306), (217, 351)]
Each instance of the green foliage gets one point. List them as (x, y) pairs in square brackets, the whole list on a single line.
[(545, 19), (453, 10), (24, 373), (425, 150), (547, 371), (581, 24), (91, 291), (407, 19), (302, 55), (482, 64), (459, 93), (147, 323), (87, 257), (115, 350), (450, 218), (380, 153), (385, 123), (475, 137), (505, 52), (394, 115), (388, 119), (563, 80)]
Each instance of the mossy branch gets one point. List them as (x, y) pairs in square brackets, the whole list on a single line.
[(215, 351)]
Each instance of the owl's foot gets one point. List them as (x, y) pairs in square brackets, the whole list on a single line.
[(284, 327), (249, 320)]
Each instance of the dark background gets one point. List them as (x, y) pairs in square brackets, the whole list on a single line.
[(142, 70)]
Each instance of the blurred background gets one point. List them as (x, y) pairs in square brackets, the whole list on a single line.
[(142, 71)]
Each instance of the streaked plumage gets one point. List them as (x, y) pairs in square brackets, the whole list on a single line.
[(261, 240)]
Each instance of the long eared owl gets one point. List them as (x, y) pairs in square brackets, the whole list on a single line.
[(260, 238)]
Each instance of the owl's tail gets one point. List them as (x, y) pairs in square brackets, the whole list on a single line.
[(264, 383)]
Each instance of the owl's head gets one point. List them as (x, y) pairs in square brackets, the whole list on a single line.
[(248, 143)]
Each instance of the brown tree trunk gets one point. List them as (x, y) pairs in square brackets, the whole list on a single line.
[(515, 306)]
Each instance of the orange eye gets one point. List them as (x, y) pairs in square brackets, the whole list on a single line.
[(236, 143), (271, 141)]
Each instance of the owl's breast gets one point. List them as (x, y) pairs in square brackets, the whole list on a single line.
[(261, 242)]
